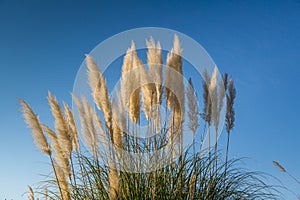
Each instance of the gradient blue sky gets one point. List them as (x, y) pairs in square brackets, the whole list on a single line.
[(42, 44)]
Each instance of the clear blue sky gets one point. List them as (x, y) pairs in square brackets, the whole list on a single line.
[(42, 44)]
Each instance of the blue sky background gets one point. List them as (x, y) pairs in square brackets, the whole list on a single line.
[(42, 45)]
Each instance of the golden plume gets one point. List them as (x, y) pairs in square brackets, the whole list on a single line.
[(72, 127), (61, 126), (130, 86), (99, 89), (59, 154), (154, 59), (33, 123)]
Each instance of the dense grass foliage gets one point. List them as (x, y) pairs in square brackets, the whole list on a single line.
[(98, 167)]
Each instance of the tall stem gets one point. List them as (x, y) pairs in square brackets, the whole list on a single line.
[(227, 149), (55, 173)]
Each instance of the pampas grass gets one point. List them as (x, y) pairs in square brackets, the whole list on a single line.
[(61, 126), (30, 193), (33, 123), (59, 155), (102, 172), (72, 127), (99, 89), (130, 79), (194, 110), (206, 115), (155, 61), (214, 96), (282, 169), (89, 133), (279, 166), (147, 90)]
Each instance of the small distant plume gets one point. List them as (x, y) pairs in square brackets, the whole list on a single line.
[(30, 193), (230, 112), (279, 166)]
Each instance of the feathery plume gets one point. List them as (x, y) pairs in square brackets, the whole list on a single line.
[(174, 64), (134, 101), (214, 96), (279, 166), (59, 154), (87, 124), (122, 111), (282, 169), (225, 81), (102, 100), (230, 113), (99, 128), (46, 194), (31, 193), (33, 123), (113, 183), (127, 78), (72, 127), (175, 103), (93, 72), (192, 185), (117, 134), (194, 111), (206, 98), (90, 135), (61, 126), (99, 89), (146, 88), (154, 59), (221, 94)]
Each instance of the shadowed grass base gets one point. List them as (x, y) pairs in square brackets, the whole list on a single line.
[(190, 177)]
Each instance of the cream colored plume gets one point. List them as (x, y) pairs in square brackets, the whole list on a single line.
[(214, 96), (130, 85), (117, 132), (59, 154), (99, 89), (30, 193), (91, 137), (174, 78), (61, 126), (147, 89), (88, 128), (100, 131), (154, 59), (113, 179), (93, 72), (72, 127), (33, 123)]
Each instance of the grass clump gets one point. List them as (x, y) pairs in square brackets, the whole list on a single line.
[(101, 166)]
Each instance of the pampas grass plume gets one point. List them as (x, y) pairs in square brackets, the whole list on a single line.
[(30, 193), (61, 126), (33, 123)]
